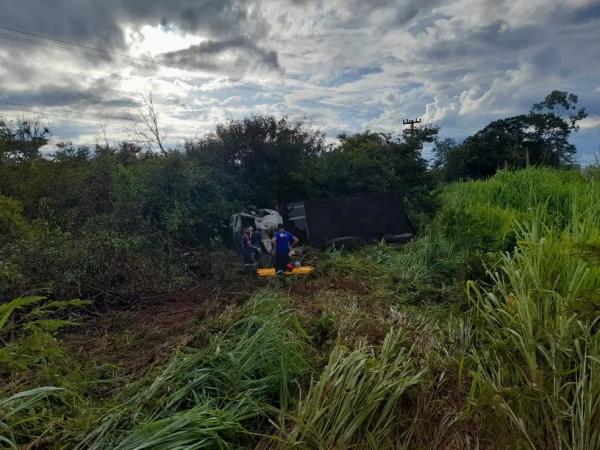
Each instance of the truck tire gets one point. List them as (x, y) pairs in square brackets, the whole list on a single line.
[(345, 242), (397, 238)]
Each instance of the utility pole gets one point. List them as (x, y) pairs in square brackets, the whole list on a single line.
[(411, 123)]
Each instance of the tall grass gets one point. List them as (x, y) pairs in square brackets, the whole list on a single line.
[(427, 269), (208, 398), (356, 401), (28, 344), (537, 352), (21, 415), (479, 215)]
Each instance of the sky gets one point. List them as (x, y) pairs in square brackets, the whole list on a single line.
[(341, 66)]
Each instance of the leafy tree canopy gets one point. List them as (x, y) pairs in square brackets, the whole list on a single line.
[(540, 137)]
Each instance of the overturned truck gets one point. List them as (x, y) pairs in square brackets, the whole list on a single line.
[(349, 220), (346, 221), (265, 220)]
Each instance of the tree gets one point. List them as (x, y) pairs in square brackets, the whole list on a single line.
[(266, 156), (147, 128), (503, 143), (553, 121), (537, 138), (22, 139), (67, 152), (375, 162)]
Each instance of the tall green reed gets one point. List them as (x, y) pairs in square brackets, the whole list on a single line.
[(356, 401), (537, 347)]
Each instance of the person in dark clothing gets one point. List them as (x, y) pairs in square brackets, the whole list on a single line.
[(247, 248), (283, 242), (257, 243)]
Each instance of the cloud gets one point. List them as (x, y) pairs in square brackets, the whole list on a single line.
[(234, 57), (101, 23), (53, 96), (344, 65), (590, 122), (441, 107)]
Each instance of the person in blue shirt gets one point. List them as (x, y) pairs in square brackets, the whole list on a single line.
[(282, 243)]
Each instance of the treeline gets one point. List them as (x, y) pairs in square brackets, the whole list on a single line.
[(89, 220)]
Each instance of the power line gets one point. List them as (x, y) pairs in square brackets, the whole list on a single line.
[(73, 51), (95, 49), (94, 52)]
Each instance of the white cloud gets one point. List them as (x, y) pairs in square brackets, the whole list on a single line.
[(590, 122), (346, 65)]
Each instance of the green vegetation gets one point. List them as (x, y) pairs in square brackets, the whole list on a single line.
[(328, 417), (539, 138), (481, 333), (384, 348), (207, 398)]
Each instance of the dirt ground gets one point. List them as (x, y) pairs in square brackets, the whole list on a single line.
[(146, 333)]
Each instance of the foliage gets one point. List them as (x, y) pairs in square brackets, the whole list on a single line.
[(373, 162), (22, 139), (12, 223), (19, 414), (479, 215), (117, 220), (208, 397), (538, 138), (27, 329), (28, 326), (537, 347), (356, 400), (424, 270), (266, 156)]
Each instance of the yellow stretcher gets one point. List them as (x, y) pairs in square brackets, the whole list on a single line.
[(270, 272)]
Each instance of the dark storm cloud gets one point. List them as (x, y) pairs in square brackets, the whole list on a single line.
[(482, 41), (234, 56), (95, 96), (87, 21), (219, 18), (100, 22)]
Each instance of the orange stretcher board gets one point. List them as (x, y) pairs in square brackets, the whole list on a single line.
[(270, 272)]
